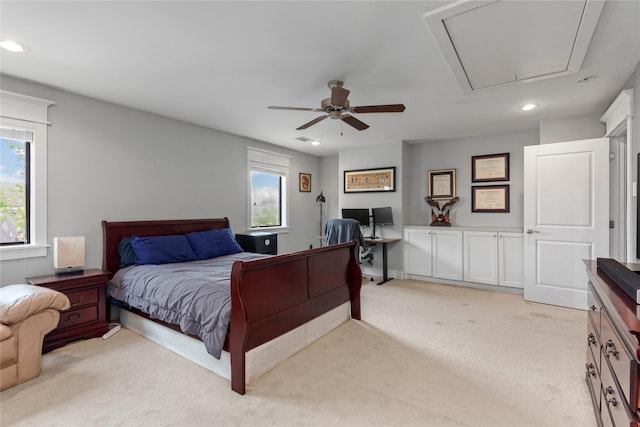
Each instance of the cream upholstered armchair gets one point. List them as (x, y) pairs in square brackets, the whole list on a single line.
[(27, 314)]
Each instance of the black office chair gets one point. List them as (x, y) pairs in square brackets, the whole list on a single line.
[(343, 230)]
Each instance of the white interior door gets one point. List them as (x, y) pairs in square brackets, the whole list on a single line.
[(566, 218)]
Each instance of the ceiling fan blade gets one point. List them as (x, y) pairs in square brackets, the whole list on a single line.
[(391, 108), (275, 107), (352, 121), (339, 96), (312, 122)]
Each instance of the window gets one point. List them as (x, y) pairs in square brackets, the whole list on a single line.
[(15, 184), (23, 176), (268, 177)]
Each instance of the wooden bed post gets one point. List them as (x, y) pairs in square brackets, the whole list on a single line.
[(238, 332)]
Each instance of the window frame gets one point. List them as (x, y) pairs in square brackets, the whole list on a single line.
[(30, 113), (264, 161)]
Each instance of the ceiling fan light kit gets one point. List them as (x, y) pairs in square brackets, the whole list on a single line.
[(338, 108)]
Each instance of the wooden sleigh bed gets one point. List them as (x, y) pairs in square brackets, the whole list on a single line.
[(270, 297)]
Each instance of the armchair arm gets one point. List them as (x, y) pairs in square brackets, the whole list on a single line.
[(18, 302)]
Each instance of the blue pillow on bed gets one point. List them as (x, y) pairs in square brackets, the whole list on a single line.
[(126, 252), (213, 243), (162, 249)]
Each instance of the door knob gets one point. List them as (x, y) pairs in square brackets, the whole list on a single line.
[(530, 231)]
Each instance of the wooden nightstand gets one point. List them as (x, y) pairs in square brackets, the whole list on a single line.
[(87, 317)]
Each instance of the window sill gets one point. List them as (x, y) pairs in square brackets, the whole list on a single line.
[(22, 251), (277, 230)]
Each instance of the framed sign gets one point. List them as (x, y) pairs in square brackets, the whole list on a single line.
[(490, 198), (370, 180), (441, 184), (491, 167), (304, 184)]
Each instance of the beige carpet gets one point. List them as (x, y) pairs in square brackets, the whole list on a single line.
[(424, 355)]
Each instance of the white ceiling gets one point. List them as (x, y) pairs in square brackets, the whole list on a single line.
[(220, 64)]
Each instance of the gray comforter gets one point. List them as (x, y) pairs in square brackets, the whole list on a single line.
[(194, 295)]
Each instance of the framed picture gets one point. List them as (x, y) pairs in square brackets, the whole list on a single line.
[(491, 167), (441, 184), (305, 183), (370, 180), (490, 198)]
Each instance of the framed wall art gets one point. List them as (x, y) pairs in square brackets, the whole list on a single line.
[(370, 180), (304, 184), (441, 184), (490, 167), (490, 198)]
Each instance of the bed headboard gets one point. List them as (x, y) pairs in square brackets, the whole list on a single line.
[(113, 232)]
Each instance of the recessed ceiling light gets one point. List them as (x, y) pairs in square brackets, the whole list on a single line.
[(528, 107), (13, 46), (315, 142)]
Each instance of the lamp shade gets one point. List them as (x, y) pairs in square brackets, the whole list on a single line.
[(68, 252), (320, 198)]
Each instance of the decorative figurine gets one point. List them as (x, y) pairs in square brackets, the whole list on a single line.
[(440, 215)]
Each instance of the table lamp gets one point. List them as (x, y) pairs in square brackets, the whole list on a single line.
[(68, 255)]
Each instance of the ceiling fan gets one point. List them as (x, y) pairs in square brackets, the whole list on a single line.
[(338, 107)]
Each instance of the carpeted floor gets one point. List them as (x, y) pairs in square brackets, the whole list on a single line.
[(424, 355)]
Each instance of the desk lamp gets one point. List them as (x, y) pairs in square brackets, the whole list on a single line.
[(321, 199)]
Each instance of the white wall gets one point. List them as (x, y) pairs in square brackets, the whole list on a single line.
[(377, 156), (575, 128), (456, 154), (108, 162)]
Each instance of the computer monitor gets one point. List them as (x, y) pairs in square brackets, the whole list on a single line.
[(382, 216), (361, 215)]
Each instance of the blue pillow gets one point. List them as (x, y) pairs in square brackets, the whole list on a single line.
[(162, 249), (126, 252), (214, 243)]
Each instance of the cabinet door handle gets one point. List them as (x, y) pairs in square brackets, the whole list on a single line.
[(593, 307), (613, 401), (611, 348), (592, 339), (608, 390), (591, 370)]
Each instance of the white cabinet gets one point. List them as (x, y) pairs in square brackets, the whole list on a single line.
[(446, 256), (433, 253), (494, 258), (417, 251), (511, 259), (474, 256), (481, 257)]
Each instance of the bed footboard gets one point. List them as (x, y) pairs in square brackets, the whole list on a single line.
[(272, 296)]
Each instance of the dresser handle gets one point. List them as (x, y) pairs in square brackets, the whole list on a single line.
[(592, 338), (613, 401), (608, 390), (593, 307), (611, 348), (69, 316), (591, 370), (80, 301)]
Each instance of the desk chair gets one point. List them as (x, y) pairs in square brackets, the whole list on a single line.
[(343, 230)]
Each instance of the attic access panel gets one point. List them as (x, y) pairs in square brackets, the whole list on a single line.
[(492, 43)]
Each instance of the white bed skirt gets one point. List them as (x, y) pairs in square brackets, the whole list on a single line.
[(258, 361)]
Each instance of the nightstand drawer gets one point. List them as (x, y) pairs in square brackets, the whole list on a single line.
[(88, 296), (76, 317)]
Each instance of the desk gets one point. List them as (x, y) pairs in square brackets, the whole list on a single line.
[(385, 275)]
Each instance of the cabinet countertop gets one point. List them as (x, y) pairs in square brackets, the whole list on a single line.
[(465, 228)]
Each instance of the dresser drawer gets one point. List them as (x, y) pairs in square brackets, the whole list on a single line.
[(77, 317), (622, 363), (595, 309), (593, 343), (84, 297), (592, 373), (612, 399)]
